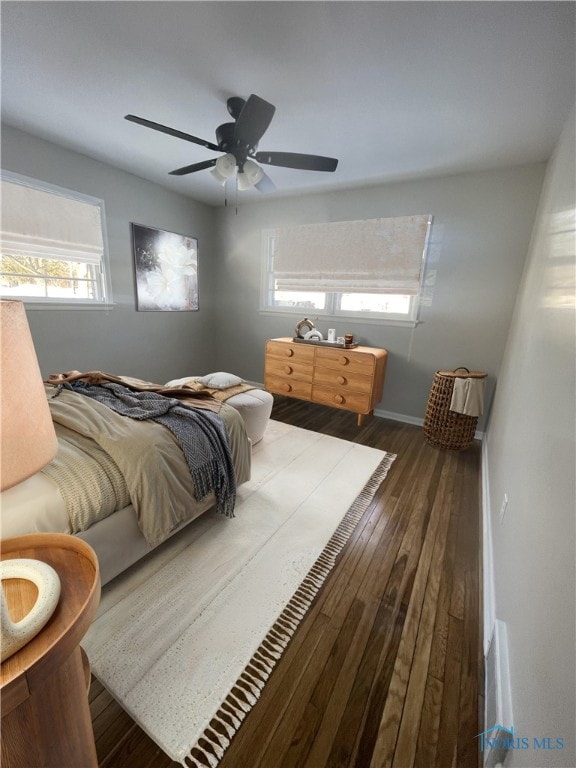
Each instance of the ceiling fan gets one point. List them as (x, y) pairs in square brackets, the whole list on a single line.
[(239, 141)]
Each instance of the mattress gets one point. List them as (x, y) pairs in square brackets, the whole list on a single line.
[(34, 506)]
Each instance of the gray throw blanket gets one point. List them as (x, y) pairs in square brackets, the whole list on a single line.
[(200, 433)]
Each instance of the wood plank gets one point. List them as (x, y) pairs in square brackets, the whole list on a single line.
[(405, 751), (384, 747), (429, 724), (447, 749), (440, 638), (110, 726), (358, 729), (468, 719)]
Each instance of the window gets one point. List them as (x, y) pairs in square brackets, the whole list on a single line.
[(366, 269), (52, 245)]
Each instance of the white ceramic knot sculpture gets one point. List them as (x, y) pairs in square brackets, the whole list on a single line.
[(15, 634), (314, 335)]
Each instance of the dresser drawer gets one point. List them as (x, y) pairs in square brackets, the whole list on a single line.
[(300, 353), (340, 398), (290, 387), (340, 359), (289, 369), (344, 379)]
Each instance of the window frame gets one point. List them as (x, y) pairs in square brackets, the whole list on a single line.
[(333, 298), (102, 281)]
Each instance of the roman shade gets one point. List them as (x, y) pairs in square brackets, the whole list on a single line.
[(48, 225), (366, 256)]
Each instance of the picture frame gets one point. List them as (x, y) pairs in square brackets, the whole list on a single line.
[(165, 270)]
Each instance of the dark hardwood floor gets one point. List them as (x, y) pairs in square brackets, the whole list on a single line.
[(386, 668)]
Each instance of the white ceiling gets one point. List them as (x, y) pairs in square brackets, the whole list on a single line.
[(392, 89)]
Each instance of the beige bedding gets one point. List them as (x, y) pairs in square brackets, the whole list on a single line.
[(106, 461), (90, 481)]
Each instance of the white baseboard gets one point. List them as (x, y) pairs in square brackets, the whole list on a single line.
[(416, 420), (497, 683), (399, 417), (489, 609), (498, 716)]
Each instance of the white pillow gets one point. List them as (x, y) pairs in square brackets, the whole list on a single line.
[(180, 382), (220, 380)]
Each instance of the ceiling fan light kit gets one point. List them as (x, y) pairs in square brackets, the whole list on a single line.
[(239, 141), (224, 168), (250, 175)]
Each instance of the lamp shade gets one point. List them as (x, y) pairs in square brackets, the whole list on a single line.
[(250, 176), (224, 168), (28, 439)]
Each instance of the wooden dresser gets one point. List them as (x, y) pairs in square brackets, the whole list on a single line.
[(351, 379)]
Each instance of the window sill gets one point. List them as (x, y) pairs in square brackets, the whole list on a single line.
[(41, 305), (316, 316)]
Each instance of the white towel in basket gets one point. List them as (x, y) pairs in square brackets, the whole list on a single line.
[(468, 396)]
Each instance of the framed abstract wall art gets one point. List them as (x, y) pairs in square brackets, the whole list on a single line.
[(166, 270)]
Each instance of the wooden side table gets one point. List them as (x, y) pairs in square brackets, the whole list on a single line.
[(45, 713)]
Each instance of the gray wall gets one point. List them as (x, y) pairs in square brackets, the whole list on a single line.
[(152, 345), (482, 224), (531, 457), (481, 232)]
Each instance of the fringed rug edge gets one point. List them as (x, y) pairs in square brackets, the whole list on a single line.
[(210, 747)]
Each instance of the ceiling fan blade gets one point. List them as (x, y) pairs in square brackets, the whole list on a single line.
[(194, 167), (297, 160), (252, 122), (171, 132)]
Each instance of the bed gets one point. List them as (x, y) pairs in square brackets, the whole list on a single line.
[(127, 482)]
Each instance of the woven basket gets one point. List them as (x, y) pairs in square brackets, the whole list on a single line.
[(444, 428)]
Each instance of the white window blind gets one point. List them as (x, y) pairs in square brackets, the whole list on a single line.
[(367, 256), (45, 225)]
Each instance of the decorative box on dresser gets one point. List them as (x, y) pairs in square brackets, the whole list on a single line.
[(351, 379)]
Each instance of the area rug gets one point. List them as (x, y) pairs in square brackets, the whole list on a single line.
[(186, 639)]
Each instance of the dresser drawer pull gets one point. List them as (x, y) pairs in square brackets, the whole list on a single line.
[(289, 352), (287, 387), (344, 360), (342, 380), (339, 399), (288, 369)]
